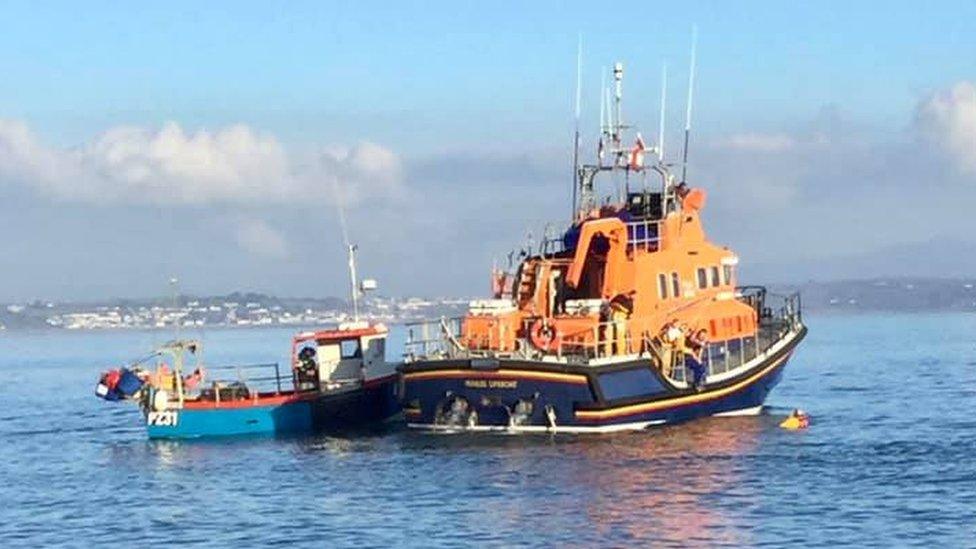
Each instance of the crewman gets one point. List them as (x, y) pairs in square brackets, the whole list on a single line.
[(672, 339), (694, 355)]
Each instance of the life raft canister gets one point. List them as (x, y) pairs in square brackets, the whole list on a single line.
[(545, 336)]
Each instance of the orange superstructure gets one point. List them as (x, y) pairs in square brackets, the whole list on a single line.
[(620, 270), (626, 268)]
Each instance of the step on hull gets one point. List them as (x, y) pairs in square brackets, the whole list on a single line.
[(624, 396)]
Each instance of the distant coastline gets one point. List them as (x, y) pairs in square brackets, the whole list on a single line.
[(243, 310), (908, 295), (235, 310)]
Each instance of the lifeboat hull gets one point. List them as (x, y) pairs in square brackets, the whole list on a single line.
[(540, 396)]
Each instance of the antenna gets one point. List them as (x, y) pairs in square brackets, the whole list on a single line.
[(664, 97), (610, 137), (350, 248), (691, 89), (175, 283), (352, 277), (603, 104), (576, 136), (618, 77)]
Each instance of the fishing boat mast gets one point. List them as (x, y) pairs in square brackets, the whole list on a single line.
[(354, 283)]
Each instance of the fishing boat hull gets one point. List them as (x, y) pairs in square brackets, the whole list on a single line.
[(526, 396), (290, 414)]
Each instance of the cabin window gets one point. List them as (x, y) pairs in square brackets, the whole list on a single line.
[(714, 276), (351, 349), (727, 274), (702, 278), (662, 285), (675, 285)]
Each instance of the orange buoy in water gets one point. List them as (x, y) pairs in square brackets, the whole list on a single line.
[(798, 419)]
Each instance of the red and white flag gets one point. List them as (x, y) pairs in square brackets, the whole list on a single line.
[(637, 154)]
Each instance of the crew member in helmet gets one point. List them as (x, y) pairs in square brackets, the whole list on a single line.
[(307, 369)]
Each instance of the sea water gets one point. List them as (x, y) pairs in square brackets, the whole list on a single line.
[(890, 459)]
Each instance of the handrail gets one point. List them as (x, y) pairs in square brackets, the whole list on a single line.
[(256, 383), (777, 314)]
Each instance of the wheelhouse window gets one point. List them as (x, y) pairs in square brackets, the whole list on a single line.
[(715, 281), (675, 285), (702, 278), (351, 349), (662, 285)]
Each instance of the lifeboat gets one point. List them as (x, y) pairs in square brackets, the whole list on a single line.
[(633, 317)]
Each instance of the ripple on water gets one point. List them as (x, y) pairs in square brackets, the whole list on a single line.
[(888, 460)]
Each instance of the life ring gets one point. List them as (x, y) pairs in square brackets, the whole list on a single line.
[(545, 336)]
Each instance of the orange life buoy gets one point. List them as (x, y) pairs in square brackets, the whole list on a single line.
[(545, 336)]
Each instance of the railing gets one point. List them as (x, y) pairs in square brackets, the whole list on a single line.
[(553, 245), (433, 339), (267, 378), (778, 316), (603, 340)]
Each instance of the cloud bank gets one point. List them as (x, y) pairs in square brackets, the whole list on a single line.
[(168, 166), (828, 198), (947, 120)]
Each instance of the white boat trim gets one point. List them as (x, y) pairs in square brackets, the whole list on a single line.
[(754, 411), (616, 428)]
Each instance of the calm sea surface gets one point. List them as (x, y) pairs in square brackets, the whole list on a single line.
[(889, 460)]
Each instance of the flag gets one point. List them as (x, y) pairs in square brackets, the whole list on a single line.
[(637, 154)]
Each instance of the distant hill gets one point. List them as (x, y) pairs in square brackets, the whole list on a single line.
[(942, 257), (889, 294)]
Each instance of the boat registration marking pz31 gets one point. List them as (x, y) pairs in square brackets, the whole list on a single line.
[(167, 418)]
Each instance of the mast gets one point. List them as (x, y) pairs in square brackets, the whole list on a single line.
[(576, 136), (175, 284), (350, 248), (664, 96), (352, 278), (691, 88), (618, 76)]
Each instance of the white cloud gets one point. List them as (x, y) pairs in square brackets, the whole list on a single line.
[(259, 238), (947, 119), (233, 165), (759, 142)]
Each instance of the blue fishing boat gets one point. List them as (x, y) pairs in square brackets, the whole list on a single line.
[(339, 378)]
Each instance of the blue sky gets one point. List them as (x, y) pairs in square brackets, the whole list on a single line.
[(490, 83), (322, 71)]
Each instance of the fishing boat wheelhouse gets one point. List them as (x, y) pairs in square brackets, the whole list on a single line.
[(632, 317)]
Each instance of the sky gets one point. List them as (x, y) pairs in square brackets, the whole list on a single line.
[(212, 142)]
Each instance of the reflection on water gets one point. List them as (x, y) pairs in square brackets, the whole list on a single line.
[(669, 478)]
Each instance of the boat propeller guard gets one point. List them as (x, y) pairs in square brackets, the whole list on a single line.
[(456, 411)]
